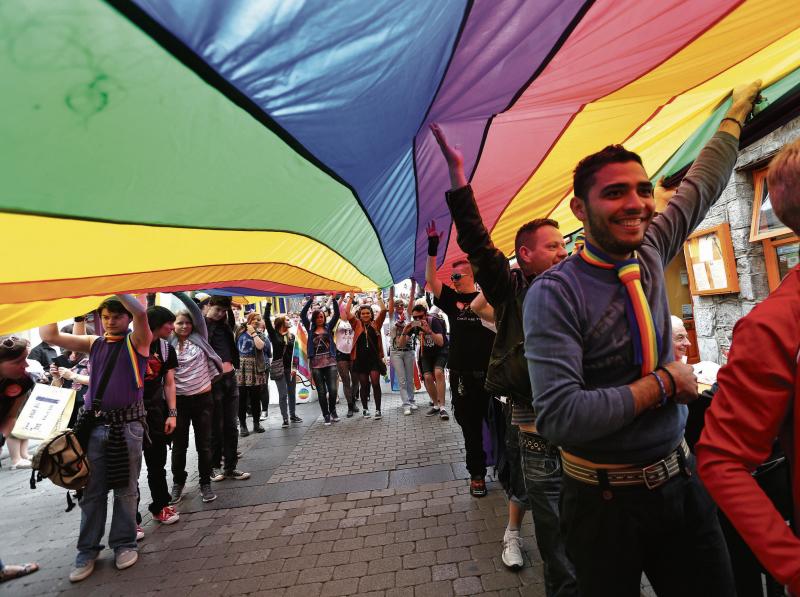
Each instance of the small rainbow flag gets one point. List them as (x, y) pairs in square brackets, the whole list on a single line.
[(300, 363)]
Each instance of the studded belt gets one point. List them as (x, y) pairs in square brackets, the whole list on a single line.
[(535, 443), (651, 476)]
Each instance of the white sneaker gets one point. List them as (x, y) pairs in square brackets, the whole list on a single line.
[(407, 410), (126, 559), (414, 406), (23, 463), (512, 550), (80, 572)]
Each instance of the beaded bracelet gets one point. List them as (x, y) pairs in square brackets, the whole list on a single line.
[(663, 389), (671, 379)]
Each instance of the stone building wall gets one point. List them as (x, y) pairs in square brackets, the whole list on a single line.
[(716, 315)]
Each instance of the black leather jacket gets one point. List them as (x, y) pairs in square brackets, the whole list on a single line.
[(504, 289)]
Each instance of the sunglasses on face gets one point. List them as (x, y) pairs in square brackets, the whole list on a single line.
[(11, 341), (456, 277), (418, 317)]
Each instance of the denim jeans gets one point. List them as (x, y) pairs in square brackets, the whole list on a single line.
[(670, 532), (470, 404), (286, 406), (403, 363), (291, 383), (542, 475), (94, 503), (197, 411), (224, 428), (327, 387)]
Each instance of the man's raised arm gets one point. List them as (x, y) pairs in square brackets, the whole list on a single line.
[(141, 335)]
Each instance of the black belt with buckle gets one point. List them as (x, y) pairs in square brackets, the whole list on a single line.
[(535, 443), (651, 476)]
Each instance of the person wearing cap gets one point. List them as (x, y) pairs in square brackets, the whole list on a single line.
[(114, 449)]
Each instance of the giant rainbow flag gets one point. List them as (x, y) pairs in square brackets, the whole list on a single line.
[(282, 147)]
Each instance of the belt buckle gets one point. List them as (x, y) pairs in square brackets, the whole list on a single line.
[(654, 468)]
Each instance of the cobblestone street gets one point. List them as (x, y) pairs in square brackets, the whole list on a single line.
[(363, 507)]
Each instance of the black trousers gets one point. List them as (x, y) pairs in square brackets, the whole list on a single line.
[(470, 405), (224, 430), (196, 410), (671, 533), (250, 396), (155, 454)]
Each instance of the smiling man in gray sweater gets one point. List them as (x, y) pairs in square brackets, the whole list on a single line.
[(606, 388)]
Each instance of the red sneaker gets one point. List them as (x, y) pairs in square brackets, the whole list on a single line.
[(477, 487), (168, 515)]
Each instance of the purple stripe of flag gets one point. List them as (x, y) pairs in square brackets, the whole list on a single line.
[(502, 45)]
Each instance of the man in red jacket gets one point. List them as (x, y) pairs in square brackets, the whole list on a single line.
[(758, 400)]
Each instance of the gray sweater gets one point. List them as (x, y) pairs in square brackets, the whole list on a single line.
[(578, 344)]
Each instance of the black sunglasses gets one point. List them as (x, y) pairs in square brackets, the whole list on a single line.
[(11, 341), (456, 277)]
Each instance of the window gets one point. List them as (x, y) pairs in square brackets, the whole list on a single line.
[(781, 255), (765, 223)]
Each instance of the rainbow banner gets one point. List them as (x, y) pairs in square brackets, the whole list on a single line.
[(283, 148), (300, 364)]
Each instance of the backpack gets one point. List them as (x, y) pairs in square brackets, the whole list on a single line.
[(62, 460)]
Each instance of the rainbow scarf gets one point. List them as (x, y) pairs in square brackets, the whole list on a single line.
[(137, 372), (580, 241), (643, 331)]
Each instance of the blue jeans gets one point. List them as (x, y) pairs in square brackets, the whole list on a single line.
[(94, 502), (542, 474), (403, 363), (327, 383), (286, 406)]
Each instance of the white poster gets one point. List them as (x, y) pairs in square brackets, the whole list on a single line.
[(718, 275), (700, 276), (706, 248), (46, 411)]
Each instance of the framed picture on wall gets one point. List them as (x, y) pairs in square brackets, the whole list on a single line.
[(781, 255), (765, 223), (710, 262)]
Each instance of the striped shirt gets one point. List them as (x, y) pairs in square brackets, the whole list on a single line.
[(192, 375)]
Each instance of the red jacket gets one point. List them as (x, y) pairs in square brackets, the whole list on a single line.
[(758, 400)]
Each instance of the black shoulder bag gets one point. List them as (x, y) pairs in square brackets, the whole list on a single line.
[(86, 420)]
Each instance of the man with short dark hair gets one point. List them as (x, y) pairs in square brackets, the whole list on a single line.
[(160, 402), (115, 444), (469, 346), (607, 389), (224, 429), (758, 400), (538, 245)]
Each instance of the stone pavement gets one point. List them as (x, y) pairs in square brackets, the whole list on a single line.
[(363, 507)]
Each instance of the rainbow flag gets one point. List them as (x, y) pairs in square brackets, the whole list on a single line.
[(300, 362)]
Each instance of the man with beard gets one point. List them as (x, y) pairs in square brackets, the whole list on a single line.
[(607, 389)]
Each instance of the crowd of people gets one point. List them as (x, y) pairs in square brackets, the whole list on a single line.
[(576, 360)]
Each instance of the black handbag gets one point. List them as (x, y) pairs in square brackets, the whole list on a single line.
[(86, 420)]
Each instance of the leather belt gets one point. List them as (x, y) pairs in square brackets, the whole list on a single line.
[(535, 443), (651, 476)]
